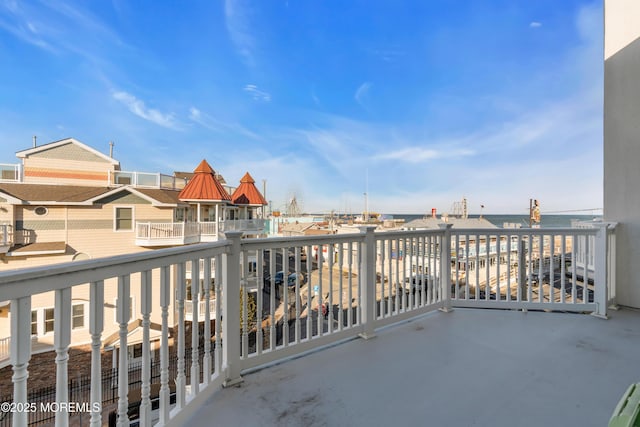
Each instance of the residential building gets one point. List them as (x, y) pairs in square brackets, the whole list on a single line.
[(66, 201)]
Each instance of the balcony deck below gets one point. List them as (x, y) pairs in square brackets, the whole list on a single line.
[(468, 367)]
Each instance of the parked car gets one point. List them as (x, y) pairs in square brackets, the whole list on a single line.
[(278, 280)]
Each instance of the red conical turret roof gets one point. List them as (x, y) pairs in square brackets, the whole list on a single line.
[(204, 186), (247, 193)]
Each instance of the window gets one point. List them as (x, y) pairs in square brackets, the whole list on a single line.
[(178, 214), (34, 322), (48, 320), (77, 316), (40, 211), (123, 219)]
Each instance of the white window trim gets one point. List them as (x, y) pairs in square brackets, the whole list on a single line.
[(133, 218), (85, 315), (40, 320)]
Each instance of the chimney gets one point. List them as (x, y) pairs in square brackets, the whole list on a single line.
[(35, 144), (111, 144)]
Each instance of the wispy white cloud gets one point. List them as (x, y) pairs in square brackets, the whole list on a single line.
[(257, 94), (239, 27), (535, 24), (422, 154), (362, 92), (138, 107), (55, 28), (216, 125)]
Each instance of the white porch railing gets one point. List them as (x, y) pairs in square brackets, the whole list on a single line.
[(10, 172), (366, 280), (180, 233), (188, 310), (253, 226), (145, 179), (5, 344), (6, 237)]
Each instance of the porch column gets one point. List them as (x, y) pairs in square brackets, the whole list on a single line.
[(231, 324), (600, 270), (368, 280), (445, 266)]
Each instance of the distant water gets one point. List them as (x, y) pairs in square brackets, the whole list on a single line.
[(546, 221)]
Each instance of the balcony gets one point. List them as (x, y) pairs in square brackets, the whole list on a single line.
[(10, 172), (536, 358), (6, 238), (151, 234), (145, 180)]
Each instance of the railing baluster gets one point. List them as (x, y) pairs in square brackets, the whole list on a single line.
[(206, 294), (498, 257), (563, 268), (62, 339), (165, 300), (218, 325), (330, 296), (145, 308), (340, 286), (20, 354), (122, 316), (320, 300), (272, 299), (180, 292), (308, 321), (350, 284), (285, 296), (298, 299), (259, 299), (195, 327), (96, 326)]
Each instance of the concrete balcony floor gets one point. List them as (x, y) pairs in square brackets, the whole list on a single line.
[(470, 367)]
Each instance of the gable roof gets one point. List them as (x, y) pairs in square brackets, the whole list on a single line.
[(204, 186), (25, 153), (30, 194), (53, 194), (247, 193)]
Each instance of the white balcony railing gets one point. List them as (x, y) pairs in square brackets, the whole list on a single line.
[(252, 226), (10, 172), (6, 237), (145, 180), (5, 344), (180, 233), (363, 281), (202, 307)]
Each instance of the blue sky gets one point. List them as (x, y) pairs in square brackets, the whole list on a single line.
[(419, 103)]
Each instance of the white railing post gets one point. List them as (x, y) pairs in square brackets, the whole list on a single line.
[(122, 317), (600, 271), (96, 325), (445, 266), (611, 266), (230, 308), (20, 354), (62, 339), (145, 391), (367, 281)]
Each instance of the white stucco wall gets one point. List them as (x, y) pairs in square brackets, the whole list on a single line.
[(622, 141)]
